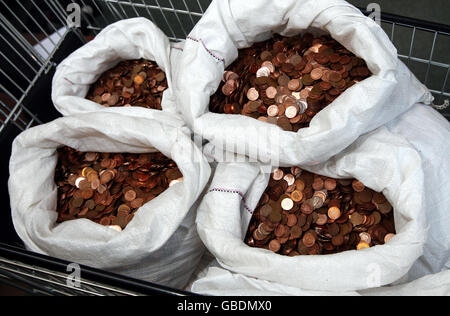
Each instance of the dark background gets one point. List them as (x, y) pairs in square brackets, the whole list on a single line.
[(437, 10)]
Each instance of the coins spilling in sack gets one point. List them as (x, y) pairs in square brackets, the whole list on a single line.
[(302, 213), (287, 81), (109, 188), (131, 83)]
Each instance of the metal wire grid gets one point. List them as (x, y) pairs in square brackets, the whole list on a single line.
[(36, 280), (175, 17), (28, 44), (432, 67)]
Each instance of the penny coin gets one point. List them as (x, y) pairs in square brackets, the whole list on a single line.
[(309, 239), (330, 184), (252, 94), (362, 246), (274, 245), (388, 237), (278, 174), (334, 212), (289, 178), (358, 186), (297, 196), (292, 220), (265, 210), (322, 219), (316, 74), (287, 204), (337, 240), (365, 237), (271, 92), (385, 208), (272, 110)]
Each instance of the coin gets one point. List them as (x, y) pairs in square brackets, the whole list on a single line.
[(309, 239), (113, 187), (274, 245), (130, 83), (388, 237), (337, 217), (334, 212), (273, 71), (362, 246), (278, 174), (358, 186), (252, 94), (287, 204)]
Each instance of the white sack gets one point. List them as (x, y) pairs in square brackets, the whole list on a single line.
[(160, 244), (221, 282), (381, 160), (229, 25), (129, 39), (431, 285), (429, 133)]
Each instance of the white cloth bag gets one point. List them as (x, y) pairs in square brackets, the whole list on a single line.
[(220, 282), (429, 133), (229, 25), (381, 160), (160, 244), (129, 39)]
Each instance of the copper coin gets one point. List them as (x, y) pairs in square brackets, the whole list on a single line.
[(330, 184), (365, 237), (358, 186), (307, 208), (300, 185), (130, 195), (289, 178), (322, 219), (334, 213), (291, 112), (297, 196), (271, 92), (388, 237), (337, 240), (318, 184), (316, 74), (252, 94), (309, 239), (274, 245), (265, 210), (385, 208), (273, 111), (362, 246), (287, 204), (292, 220), (278, 174)]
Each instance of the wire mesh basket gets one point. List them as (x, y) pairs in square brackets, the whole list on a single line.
[(35, 37)]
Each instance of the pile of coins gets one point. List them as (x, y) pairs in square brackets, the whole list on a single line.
[(302, 213), (287, 81), (109, 188), (131, 83)]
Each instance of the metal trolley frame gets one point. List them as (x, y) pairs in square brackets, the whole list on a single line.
[(34, 38)]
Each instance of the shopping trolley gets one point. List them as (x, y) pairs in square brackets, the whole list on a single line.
[(37, 35)]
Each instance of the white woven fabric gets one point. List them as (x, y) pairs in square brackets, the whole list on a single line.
[(229, 25), (160, 244), (383, 161), (129, 39)]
